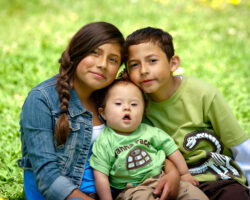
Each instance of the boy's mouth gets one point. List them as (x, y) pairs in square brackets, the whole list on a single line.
[(126, 117), (148, 81)]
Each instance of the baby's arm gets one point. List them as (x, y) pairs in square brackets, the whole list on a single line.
[(180, 163), (102, 185)]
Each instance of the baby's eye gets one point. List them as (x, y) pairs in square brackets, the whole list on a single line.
[(134, 104), (118, 103)]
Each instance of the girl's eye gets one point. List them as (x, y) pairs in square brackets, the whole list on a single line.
[(113, 60), (94, 52)]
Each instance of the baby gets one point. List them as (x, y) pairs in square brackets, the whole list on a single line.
[(129, 155)]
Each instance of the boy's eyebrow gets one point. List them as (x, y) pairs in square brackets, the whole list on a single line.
[(148, 56)]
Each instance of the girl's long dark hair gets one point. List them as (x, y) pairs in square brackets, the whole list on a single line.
[(88, 38)]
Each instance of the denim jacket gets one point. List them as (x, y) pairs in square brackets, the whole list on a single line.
[(58, 169)]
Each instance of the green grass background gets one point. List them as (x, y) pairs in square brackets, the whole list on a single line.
[(211, 37)]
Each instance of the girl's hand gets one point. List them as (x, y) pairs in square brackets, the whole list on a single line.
[(188, 177)]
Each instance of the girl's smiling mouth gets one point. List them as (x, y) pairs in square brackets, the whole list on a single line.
[(98, 75)]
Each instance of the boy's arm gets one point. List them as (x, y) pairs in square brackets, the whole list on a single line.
[(102, 185), (180, 163), (168, 185), (240, 153)]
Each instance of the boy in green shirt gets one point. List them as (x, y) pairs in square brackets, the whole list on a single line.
[(129, 155), (193, 113)]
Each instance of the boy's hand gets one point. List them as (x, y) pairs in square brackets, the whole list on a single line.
[(168, 185), (188, 177)]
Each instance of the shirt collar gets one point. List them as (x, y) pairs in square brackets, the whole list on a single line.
[(75, 105)]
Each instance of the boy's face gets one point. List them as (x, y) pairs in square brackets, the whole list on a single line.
[(124, 108), (149, 68)]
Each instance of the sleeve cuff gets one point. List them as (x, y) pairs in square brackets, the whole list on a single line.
[(60, 189), (95, 164)]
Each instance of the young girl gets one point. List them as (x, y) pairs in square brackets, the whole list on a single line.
[(59, 122)]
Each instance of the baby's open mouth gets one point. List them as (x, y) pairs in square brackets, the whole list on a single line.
[(126, 117)]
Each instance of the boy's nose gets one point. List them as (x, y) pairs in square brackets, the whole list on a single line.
[(144, 69)]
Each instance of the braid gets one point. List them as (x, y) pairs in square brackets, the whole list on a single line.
[(63, 87), (88, 38)]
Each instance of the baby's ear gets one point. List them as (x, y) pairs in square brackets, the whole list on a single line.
[(102, 113), (175, 63)]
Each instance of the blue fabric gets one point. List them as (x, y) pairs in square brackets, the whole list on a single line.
[(30, 187), (88, 181), (58, 169), (32, 192)]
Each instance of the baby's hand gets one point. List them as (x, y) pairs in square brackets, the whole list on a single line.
[(188, 177)]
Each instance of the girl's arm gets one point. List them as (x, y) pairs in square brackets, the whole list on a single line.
[(37, 135), (168, 185), (180, 163), (102, 185)]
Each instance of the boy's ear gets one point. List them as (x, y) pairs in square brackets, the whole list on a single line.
[(174, 63), (102, 113)]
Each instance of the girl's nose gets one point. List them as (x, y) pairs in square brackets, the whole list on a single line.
[(102, 63)]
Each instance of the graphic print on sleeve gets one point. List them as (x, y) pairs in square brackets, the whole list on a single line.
[(220, 165)]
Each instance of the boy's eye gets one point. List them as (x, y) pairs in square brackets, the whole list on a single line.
[(132, 65), (153, 60)]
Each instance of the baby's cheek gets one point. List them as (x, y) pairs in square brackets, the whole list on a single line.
[(139, 116)]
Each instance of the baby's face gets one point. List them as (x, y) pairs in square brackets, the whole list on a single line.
[(124, 108)]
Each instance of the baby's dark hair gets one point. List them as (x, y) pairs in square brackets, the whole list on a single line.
[(149, 34), (100, 96)]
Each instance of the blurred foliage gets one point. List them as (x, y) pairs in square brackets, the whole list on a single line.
[(210, 36)]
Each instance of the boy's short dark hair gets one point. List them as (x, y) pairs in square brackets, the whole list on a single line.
[(149, 34)]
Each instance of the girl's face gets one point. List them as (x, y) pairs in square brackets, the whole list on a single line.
[(98, 69)]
